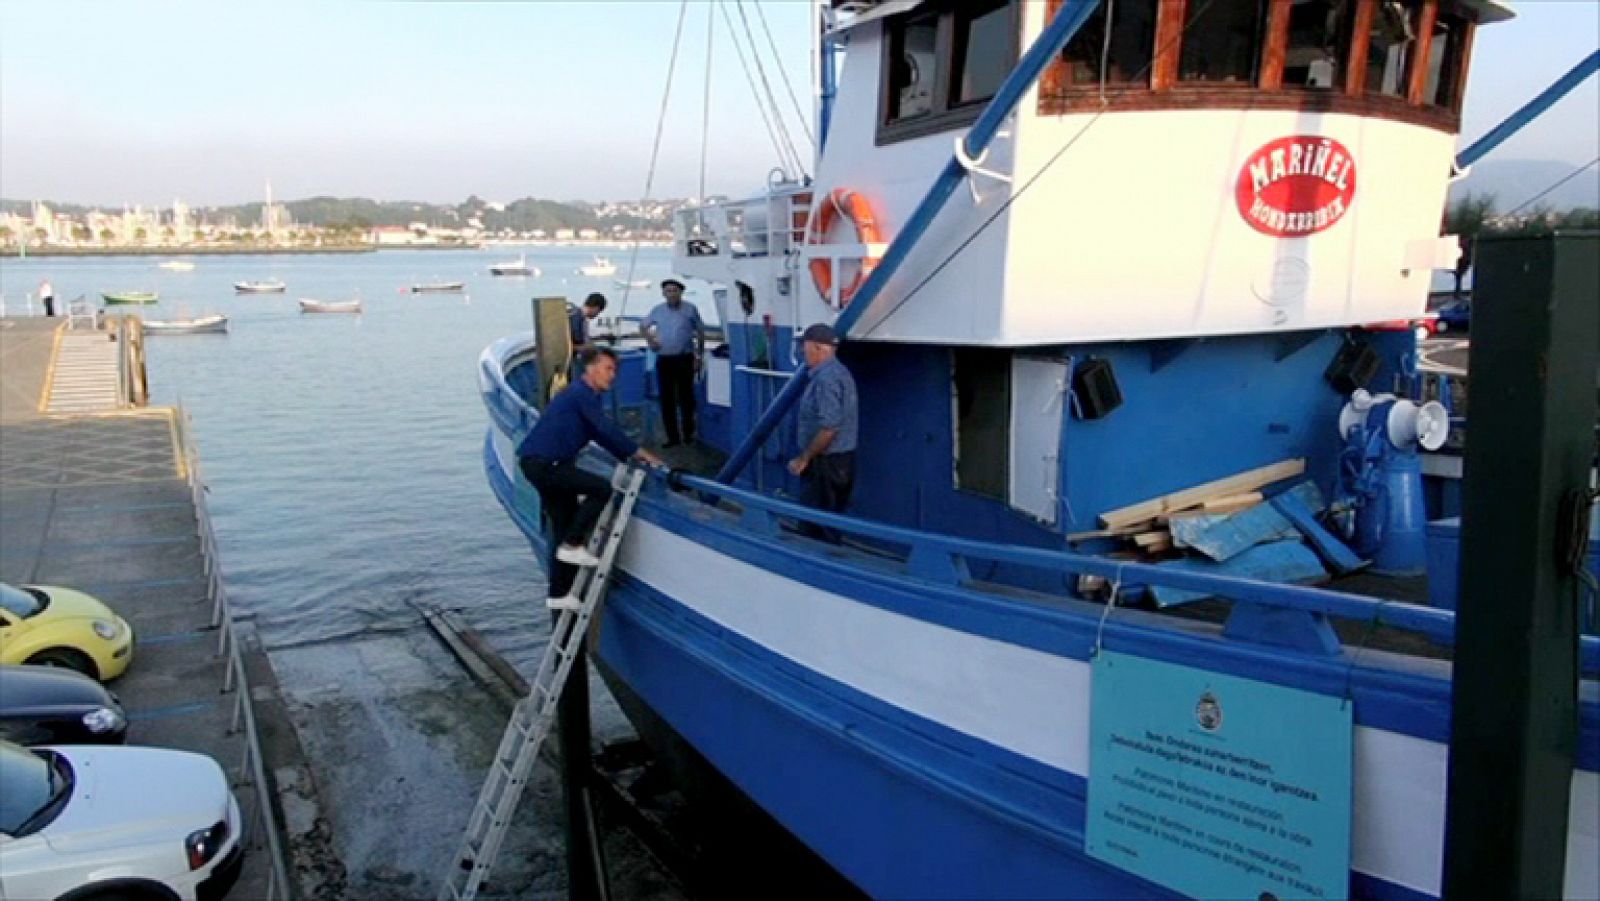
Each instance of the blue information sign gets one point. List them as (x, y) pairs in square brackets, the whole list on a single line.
[(1217, 786)]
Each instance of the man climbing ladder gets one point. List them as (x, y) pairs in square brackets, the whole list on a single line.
[(571, 497), (532, 718)]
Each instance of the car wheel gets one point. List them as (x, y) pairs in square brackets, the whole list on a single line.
[(121, 890), (66, 658), (1442, 327)]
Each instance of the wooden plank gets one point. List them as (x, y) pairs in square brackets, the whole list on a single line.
[(1125, 531), (1147, 539), (475, 666), (1280, 561), (474, 639), (1233, 503), (1238, 483)]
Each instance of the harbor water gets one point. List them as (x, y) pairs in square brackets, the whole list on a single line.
[(344, 457)]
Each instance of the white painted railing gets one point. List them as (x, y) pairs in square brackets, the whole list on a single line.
[(260, 826)]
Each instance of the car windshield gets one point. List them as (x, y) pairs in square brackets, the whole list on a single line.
[(22, 602), (33, 787)]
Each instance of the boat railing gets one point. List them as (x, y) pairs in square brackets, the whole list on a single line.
[(772, 224), (259, 823), (947, 560)]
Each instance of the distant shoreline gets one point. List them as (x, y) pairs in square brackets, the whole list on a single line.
[(12, 252)]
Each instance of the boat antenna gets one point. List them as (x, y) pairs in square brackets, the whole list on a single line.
[(655, 154)]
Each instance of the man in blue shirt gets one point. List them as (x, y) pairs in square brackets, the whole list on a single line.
[(548, 458), (829, 414), (677, 335)]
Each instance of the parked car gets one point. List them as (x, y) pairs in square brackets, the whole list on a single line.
[(44, 705), (53, 626), (101, 823)]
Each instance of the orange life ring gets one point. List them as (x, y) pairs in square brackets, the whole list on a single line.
[(853, 206)]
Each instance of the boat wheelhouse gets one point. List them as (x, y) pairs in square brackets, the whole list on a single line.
[(1150, 263)]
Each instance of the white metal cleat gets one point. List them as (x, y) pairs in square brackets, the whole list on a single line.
[(577, 556)]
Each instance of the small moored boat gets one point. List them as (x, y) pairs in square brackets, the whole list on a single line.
[(636, 283), (600, 267), (519, 266), (270, 286), (198, 325), (438, 288), (131, 297), (177, 266), (308, 305)]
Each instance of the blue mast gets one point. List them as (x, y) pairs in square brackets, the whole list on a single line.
[(1530, 111), (1068, 20)]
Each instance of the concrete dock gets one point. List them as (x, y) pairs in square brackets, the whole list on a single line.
[(103, 499)]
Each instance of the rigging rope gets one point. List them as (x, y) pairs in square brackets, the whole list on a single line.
[(738, 49), (1540, 196), (1105, 104), (783, 73), (766, 86), (705, 109), (655, 153)]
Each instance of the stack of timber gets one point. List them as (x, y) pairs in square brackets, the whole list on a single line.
[(1235, 526)]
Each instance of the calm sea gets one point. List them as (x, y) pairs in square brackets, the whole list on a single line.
[(343, 452)]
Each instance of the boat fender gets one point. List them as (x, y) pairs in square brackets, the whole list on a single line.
[(854, 207)]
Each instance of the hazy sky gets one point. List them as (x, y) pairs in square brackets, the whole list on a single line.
[(141, 102)]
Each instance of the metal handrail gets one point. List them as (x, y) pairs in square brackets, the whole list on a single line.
[(251, 767), (949, 554)]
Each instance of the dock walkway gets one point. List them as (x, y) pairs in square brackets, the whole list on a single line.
[(106, 502)]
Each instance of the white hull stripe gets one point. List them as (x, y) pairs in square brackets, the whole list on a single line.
[(1036, 704)]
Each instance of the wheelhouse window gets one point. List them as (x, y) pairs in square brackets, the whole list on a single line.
[(1404, 60), (1392, 42), (1445, 58), (942, 61), (1222, 42), (1126, 58), (913, 67), (1319, 42), (982, 50)]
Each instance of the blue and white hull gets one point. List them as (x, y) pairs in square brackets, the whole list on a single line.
[(932, 739)]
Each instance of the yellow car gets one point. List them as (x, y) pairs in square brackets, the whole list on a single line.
[(44, 624)]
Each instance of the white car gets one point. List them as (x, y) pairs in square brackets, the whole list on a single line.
[(95, 823)]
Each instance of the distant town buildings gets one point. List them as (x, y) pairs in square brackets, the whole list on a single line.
[(38, 226)]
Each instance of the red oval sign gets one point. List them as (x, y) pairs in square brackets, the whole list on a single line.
[(1296, 186)]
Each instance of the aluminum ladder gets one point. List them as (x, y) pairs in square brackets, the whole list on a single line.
[(533, 716)]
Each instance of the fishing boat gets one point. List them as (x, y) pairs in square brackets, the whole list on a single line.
[(308, 305), (598, 267), (519, 266), (438, 288), (199, 325), (177, 266), (131, 297), (1131, 303), (270, 286)]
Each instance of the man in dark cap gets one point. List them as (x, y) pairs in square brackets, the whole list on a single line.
[(677, 335), (829, 414)]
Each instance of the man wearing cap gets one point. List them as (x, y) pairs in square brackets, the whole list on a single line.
[(548, 458), (677, 335), (828, 429)]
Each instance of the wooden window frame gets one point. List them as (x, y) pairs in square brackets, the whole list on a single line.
[(945, 115), (1166, 92)]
